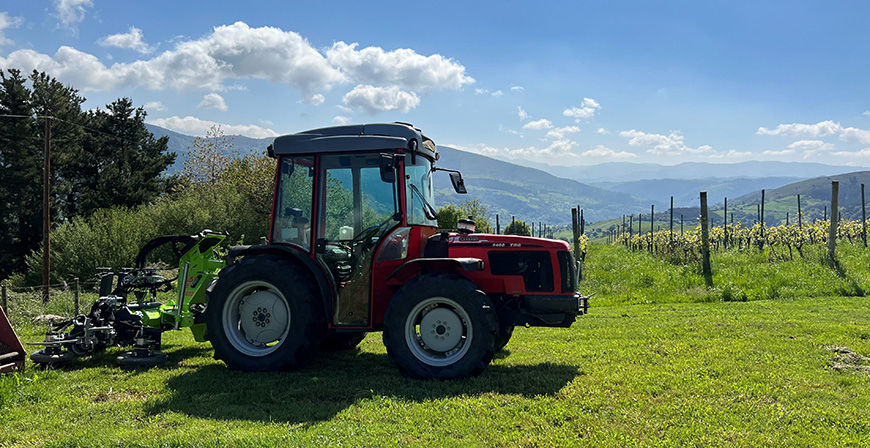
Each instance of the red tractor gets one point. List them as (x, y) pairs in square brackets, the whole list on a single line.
[(354, 247)]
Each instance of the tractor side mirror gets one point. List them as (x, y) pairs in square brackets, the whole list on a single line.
[(458, 183), (388, 168)]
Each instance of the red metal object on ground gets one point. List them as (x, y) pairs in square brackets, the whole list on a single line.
[(12, 353)]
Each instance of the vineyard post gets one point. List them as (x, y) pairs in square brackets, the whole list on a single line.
[(825, 215), (863, 217), (786, 218), (497, 225), (575, 230), (582, 223), (705, 242), (761, 243), (671, 236), (681, 224), (652, 220), (623, 226), (630, 228), (800, 214), (832, 230), (725, 222)]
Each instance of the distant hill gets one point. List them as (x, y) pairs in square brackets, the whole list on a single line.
[(627, 172), (181, 143), (815, 197), (685, 191), (527, 193)]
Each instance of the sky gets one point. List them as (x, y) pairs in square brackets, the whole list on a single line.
[(563, 83)]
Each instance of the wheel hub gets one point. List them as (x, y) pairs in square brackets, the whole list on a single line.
[(441, 329), (263, 317)]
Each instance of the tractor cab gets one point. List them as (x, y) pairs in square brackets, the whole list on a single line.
[(355, 200)]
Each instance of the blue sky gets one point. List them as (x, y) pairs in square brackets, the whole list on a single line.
[(565, 83)]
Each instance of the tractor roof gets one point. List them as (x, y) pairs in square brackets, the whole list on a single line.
[(365, 137)]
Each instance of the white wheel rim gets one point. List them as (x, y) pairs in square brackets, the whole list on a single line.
[(256, 318), (438, 331)]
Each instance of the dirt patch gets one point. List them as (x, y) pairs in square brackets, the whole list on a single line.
[(846, 360)]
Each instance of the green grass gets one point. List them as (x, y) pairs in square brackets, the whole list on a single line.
[(617, 275), (712, 374)]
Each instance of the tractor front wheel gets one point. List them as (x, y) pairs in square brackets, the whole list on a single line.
[(264, 315), (440, 326)]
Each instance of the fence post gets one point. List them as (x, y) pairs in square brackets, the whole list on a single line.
[(76, 298), (671, 225), (705, 242), (863, 217), (497, 225), (832, 230), (725, 222), (761, 216), (582, 223)]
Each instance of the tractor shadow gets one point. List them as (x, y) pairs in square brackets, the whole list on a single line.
[(333, 382)]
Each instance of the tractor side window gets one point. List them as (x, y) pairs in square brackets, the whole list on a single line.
[(419, 191), (292, 217)]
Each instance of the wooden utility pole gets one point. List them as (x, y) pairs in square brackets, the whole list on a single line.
[(705, 243), (46, 212), (832, 230)]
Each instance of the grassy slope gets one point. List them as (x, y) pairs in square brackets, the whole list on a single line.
[(653, 373)]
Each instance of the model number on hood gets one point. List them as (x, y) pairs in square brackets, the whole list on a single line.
[(507, 245)]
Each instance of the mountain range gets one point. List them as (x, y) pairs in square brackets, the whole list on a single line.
[(546, 193)]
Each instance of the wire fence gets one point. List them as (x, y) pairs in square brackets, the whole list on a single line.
[(25, 304)]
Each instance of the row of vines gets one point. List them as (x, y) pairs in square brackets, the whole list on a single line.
[(783, 242)]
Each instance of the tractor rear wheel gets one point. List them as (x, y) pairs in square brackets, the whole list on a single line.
[(264, 314), (440, 326)]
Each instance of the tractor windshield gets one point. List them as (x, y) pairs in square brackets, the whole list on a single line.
[(419, 192)]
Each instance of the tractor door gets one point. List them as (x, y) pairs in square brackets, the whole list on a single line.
[(357, 210)]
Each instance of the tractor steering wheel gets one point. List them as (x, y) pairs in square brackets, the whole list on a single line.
[(368, 233)]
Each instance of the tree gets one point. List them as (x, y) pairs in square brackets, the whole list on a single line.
[(450, 214), (518, 227)]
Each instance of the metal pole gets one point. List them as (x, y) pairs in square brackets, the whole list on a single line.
[(46, 212)]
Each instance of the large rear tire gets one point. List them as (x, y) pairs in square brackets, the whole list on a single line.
[(440, 326), (504, 335), (264, 314)]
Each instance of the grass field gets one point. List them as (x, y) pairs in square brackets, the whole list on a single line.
[(787, 370)]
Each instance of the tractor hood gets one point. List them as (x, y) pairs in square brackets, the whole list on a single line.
[(481, 240)]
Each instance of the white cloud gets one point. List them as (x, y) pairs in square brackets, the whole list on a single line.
[(584, 112), (341, 119), (541, 124), (603, 152), (231, 52), (7, 21), (731, 154), (496, 94), (154, 105), (866, 113), (213, 101), (864, 153), (315, 99), (810, 145), (602, 131), (784, 152), (820, 129), (671, 144), (518, 89), (559, 133), (403, 67), (855, 135), (194, 126), (373, 99), (556, 149), (522, 113), (131, 41), (71, 11)]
